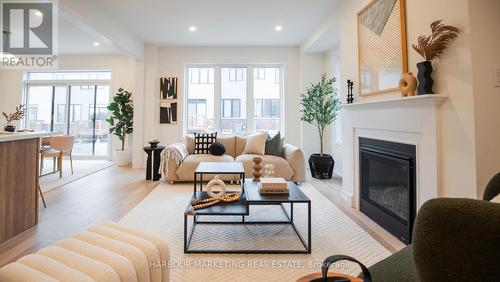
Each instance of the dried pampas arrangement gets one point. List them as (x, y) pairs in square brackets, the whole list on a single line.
[(17, 115), (432, 46)]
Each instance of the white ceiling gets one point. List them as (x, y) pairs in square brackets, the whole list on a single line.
[(219, 22), (74, 40)]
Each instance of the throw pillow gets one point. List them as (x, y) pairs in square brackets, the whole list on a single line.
[(217, 149), (274, 144), (202, 142), (256, 144)]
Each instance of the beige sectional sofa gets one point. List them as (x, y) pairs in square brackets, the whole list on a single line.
[(291, 165)]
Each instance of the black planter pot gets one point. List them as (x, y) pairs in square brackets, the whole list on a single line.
[(425, 81), (10, 128), (321, 166)]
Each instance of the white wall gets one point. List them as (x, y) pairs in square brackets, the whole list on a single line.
[(170, 61), (312, 66), (485, 42), (453, 77), (332, 68)]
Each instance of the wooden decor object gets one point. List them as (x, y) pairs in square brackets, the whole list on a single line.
[(216, 182), (256, 169), (407, 84)]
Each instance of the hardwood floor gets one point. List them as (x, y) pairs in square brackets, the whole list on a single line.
[(106, 195), (110, 194)]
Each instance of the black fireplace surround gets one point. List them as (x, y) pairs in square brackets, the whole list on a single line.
[(387, 185)]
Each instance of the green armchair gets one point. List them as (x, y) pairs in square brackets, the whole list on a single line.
[(453, 240)]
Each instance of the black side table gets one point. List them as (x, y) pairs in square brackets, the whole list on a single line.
[(153, 164)]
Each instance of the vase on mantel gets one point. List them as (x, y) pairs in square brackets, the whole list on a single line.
[(425, 81)]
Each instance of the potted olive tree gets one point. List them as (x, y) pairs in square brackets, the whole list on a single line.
[(320, 106), (121, 121)]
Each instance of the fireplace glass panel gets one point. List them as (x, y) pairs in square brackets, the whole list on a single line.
[(389, 183)]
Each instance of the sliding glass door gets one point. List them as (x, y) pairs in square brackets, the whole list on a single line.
[(76, 109)]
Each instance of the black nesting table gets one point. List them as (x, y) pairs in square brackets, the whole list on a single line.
[(250, 196), (218, 168)]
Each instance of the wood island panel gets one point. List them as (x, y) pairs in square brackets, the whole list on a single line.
[(18, 186)]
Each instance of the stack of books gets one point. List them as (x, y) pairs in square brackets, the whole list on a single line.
[(270, 185)]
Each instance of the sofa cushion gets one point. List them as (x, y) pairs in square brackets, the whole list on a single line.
[(229, 144), (240, 143), (186, 169), (281, 166), (274, 144), (202, 142), (189, 142), (256, 144), (217, 149)]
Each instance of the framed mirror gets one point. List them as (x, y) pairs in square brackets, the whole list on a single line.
[(382, 47)]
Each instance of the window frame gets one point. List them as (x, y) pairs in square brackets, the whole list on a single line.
[(250, 127), (94, 82)]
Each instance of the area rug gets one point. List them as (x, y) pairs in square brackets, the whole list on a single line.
[(333, 233)]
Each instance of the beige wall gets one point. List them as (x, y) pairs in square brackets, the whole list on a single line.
[(485, 42), (170, 61), (453, 77)]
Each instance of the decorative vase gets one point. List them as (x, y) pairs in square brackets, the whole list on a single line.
[(256, 169), (9, 127), (407, 84), (321, 166), (153, 144), (425, 81)]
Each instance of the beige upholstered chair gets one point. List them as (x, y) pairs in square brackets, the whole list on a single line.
[(60, 146)]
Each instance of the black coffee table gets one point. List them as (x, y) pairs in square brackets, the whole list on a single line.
[(218, 168), (249, 197)]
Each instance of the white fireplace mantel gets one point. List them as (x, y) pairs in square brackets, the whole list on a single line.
[(412, 101), (410, 120)]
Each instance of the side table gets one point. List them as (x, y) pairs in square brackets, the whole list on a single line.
[(153, 163)]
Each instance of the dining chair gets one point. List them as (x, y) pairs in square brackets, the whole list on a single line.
[(60, 146)]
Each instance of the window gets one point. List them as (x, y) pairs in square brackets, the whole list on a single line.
[(267, 100), (61, 113), (231, 108), (101, 110), (58, 103), (197, 114), (33, 112), (201, 75), (229, 105), (260, 74), (236, 75), (267, 108)]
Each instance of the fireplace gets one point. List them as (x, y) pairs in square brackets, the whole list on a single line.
[(388, 184)]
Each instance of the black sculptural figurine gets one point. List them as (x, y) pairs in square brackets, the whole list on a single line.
[(350, 86)]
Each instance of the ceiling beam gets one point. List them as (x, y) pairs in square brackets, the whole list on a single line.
[(87, 16)]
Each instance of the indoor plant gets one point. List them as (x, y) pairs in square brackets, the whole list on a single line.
[(121, 121), (319, 107), (17, 115), (431, 47)]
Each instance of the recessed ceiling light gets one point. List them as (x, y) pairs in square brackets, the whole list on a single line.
[(278, 28), (38, 13), (97, 44), (192, 28)]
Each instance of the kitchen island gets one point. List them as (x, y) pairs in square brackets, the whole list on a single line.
[(19, 161)]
